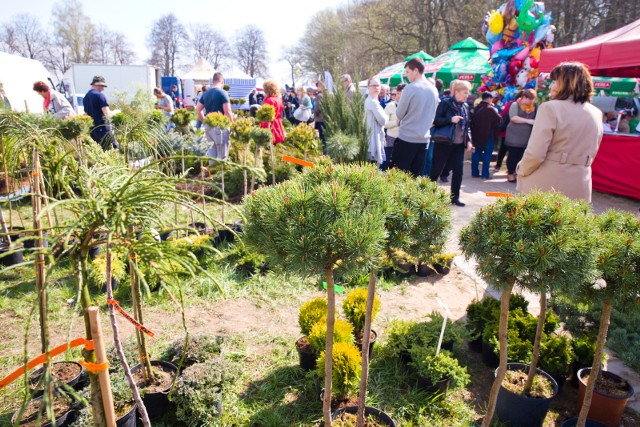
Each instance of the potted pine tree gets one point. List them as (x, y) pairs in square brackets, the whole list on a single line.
[(542, 242), (325, 216), (241, 132), (261, 138), (304, 137), (619, 266)]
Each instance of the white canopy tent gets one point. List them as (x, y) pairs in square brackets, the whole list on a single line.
[(17, 75), (200, 74), (240, 85)]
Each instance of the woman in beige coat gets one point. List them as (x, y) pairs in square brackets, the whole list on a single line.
[(565, 137)]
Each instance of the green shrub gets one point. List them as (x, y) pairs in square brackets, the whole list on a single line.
[(436, 367), (342, 147), (98, 271), (403, 336), (354, 308), (201, 348), (485, 312), (266, 113), (343, 332), (584, 350), (310, 313), (347, 362), (556, 354), (198, 391)]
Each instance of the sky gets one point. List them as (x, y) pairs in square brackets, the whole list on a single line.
[(283, 21)]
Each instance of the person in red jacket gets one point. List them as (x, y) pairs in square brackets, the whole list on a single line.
[(273, 98)]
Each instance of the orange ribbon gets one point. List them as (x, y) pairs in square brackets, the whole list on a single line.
[(297, 161), (498, 194), (131, 320), (94, 368), (88, 344)]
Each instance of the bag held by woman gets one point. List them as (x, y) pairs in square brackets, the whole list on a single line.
[(443, 134), (302, 114)]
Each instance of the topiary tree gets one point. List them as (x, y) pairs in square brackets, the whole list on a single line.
[(241, 132), (346, 372), (354, 307), (325, 216), (220, 123), (310, 313), (619, 265), (261, 138), (342, 332), (304, 137), (541, 242)]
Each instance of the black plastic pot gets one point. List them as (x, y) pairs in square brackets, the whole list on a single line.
[(94, 251), (157, 403), (308, 359), (440, 387), (74, 382), (129, 419), (30, 243), (16, 232), (560, 380), (114, 285), (442, 269), (406, 269), (165, 235), (572, 422), (229, 234), (424, 270), (62, 421), (488, 356), (200, 227), (15, 258), (368, 410), (522, 411), (372, 342)]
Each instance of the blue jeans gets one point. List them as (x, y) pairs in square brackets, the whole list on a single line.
[(429, 160), (485, 155)]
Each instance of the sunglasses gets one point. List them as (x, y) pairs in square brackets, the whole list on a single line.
[(374, 85)]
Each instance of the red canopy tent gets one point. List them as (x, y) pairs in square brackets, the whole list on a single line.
[(614, 54)]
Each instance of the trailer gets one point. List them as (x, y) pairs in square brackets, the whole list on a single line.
[(123, 81)]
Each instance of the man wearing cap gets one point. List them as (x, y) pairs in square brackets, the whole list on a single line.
[(97, 107), (349, 87)]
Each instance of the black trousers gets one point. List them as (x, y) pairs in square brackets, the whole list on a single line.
[(409, 156), (450, 157), (501, 153), (515, 155)]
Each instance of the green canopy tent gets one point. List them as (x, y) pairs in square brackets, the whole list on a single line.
[(616, 86), (394, 74), (465, 60)]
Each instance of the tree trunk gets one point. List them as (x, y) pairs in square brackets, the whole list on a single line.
[(536, 344), (136, 300), (368, 319), (244, 172), (502, 369), (255, 166), (118, 345), (597, 362), (328, 353), (222, 174), (9, 191)]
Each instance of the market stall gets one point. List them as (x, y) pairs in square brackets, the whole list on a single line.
[(616, 168), (466, 60), (395, 74)]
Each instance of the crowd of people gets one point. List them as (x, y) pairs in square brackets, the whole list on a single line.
[(426, 131), (421, 127)]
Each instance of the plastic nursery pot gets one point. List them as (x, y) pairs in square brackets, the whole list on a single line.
[(406, 269), (114, 285), (16, 257), (64, 415), (165, 235), (605, 408), (443, 269), (572, 422), (16, 232), (439, 387), (30, 243), (94, 251), (308, 359), (523, 411), (424, 270), (368, 411), (200, 227), (560, 379), (68, 373), (157, 402), (372, 342), (128, 419)]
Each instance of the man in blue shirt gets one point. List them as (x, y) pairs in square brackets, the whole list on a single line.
[(97, 107), (214, 100)]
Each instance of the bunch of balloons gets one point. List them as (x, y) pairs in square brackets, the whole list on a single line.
[(516, 33)]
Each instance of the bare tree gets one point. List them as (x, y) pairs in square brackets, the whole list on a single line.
[(102, 49), (74, 30), (251, 51), (167, 42), (294, 58), (121, 50), (209, 44), (24, 36)]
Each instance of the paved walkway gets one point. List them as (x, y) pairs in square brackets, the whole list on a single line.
[(473, 194)]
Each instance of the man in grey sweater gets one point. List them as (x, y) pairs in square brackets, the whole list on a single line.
[(415, 112)]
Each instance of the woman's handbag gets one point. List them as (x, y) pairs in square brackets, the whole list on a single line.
[(302, 115), (443, 134)]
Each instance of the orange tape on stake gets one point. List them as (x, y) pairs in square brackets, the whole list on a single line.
[(297, 161), (94, 368), (497, 194), (88, 344), (131, 320)]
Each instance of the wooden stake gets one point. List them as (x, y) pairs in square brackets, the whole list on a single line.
[(101, 357)]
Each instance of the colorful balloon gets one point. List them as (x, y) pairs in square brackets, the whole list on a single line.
[(509, 31), (496, 22), (492, 38), (523, 54), (509, 10), (496, 46), (522, 78), (526, 20), (514, 67)]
